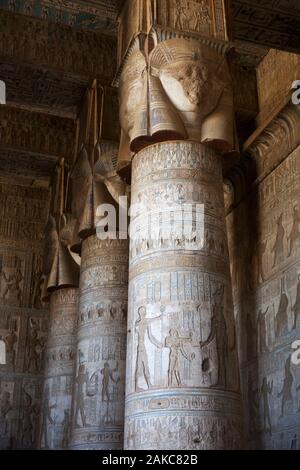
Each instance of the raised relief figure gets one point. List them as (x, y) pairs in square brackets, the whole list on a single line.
[(81, 380), (5, 408), (143, 330), (107, 373), (219, 334), (262, 345), (281, 319), (178, 89), (47, 418), (278, 248), (295, 232), (12, 284), (176, 345), (296, 306), (265, 391), (286, 392)]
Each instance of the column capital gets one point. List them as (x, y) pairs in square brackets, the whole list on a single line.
[(94, 177), (178, 89), (203, 19)]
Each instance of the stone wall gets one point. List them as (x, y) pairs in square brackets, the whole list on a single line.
[(23, 320), (264, 241)]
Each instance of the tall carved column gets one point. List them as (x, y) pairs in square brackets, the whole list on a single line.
[(59, 370), (99, 388), (61, 285), (182, 381), (98, 418)]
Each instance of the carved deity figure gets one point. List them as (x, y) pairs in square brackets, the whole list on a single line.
[(12, 284), (46, 416), (296, 306), (278, 248), (262, 346), (66, 423), (265, 391), (35, 349), (143, 330), (107, 373), (181, 18), (286, 392), (219, 334), (81, 380), (281, 319), (5, 408), (176, 345), (27, 429), (295, 232), (11, 341)]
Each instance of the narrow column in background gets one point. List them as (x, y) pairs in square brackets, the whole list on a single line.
[(98, 410), (59, 370)]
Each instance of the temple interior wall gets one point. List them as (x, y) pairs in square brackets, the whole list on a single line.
[(264, 247), (23, 318)]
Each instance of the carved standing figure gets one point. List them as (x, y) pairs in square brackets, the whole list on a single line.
[(107, 373), (143, 330), (286, 392), (46, 416), (262, 346), (219, 333), (278, 248), (265, 391), (81, 380), (176, 345), (295, 232), (296, 306), (281, 319)]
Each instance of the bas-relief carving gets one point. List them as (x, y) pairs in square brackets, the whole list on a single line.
[(181, 336), (283, 68), (266, 298), (85, 16), (202, 18), (98, 394), (60, 355), (35, 132), (174, 92), (23, 323), (273, 23), (60, 48)]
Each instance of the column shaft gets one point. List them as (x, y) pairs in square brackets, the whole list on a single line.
[(98, 411), (59, 370), (182, 385)]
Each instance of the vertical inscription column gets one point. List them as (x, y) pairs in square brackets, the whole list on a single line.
[(98, 408), (182, 375), (59, 370)]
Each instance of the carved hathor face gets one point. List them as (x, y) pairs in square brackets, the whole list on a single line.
[(182, 90)]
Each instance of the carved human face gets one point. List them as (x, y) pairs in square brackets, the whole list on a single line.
[(131, 90)]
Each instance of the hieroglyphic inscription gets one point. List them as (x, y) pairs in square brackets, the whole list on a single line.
[(59, 370), (98, 395), (181, 340)]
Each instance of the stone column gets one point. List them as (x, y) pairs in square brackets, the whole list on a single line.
[(176, 113), (99, 388), (61, 288), (98, 410), (182, 377), (59, 370)]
